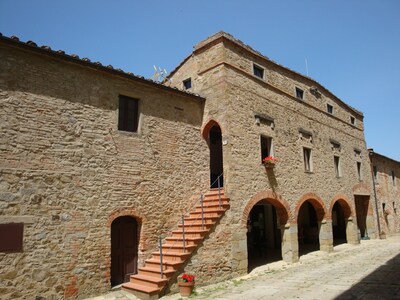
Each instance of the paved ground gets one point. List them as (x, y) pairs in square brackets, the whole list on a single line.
[(370, 270)]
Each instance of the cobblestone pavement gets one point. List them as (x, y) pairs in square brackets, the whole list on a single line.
[(370, 270)]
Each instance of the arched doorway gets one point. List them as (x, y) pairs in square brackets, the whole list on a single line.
[(308, 228), (339, 224), (216, 158), (264, 242), (124, 249)]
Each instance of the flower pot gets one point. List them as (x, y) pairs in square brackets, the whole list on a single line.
[(269, 165), (185, 288)]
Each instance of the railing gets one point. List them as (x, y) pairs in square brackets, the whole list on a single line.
[(162, 253)]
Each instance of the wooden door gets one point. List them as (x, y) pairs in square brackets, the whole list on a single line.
[(124, 249)]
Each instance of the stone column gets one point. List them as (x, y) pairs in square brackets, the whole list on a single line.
[(352, 232), (239, 250), (326, 236), (290, 244)]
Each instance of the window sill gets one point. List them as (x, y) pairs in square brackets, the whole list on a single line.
[(309, 172)]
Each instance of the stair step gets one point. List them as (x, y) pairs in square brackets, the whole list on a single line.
[(190, 232), (172, 256), (141, 290), (196, 225), (188, 240), (149, 281), (168, 264), (207, 219), (175, 248), (156, 272)]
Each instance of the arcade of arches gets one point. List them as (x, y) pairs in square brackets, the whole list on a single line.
[(274, 233)]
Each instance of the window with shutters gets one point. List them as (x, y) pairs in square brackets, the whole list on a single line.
[(128, 114)]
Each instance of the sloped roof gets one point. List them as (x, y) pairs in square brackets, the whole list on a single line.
[(231, 38), (46, 50)]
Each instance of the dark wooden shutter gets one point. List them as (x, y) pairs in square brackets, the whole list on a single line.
[(128, 115), (11, 237)]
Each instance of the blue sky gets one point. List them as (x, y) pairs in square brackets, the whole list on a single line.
[(352, 47)]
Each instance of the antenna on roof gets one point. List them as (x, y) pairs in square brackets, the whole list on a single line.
[(160, 75), (306, 66)]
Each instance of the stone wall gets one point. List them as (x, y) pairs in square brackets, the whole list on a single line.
[(387, 192), (66, 172)]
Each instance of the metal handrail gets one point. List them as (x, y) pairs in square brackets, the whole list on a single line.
[(183, 223)]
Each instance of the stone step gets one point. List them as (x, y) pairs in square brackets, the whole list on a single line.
[(156, 272), (190, 232), (171, 256), (188, 240), (150, 281), (141, 291), (175, 248), (168, 264)]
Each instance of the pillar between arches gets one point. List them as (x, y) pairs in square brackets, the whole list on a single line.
[(290, 245), (352, 232), (326, 236)]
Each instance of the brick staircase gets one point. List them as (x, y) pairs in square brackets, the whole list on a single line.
[(149, 283)]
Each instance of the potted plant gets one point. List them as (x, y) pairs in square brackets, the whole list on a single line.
[(186, 285), (269, 162)]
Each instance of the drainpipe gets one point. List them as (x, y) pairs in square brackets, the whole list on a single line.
[(371, 152)]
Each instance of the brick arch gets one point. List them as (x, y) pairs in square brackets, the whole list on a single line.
[(344, 203), (280, 204), (130, 212), (316, 202), (207, 127), (361, 189)]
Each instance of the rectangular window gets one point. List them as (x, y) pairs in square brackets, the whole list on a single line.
[(299, 93), (258, 71), (352, 120), (359, 170), (128, 114), (11, 237), (266, 147), (393, 178), (187, 84), (375, 171), (329, 108), (307, 159), (336, 160)]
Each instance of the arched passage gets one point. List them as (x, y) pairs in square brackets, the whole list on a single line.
[(311, 212), (265, 216), (340, 213), (124, 249), (213, 134)]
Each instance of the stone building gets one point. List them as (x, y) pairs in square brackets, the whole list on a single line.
[(386, 172), (97, 164)]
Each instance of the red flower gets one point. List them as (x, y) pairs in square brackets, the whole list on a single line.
[(270, 159), (187, 278)]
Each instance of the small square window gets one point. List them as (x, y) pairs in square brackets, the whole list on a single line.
[(258, 71), (307, 159), (128, 114), (336, 160), (329, 108), (11, 237), (393, 178), (352, 120), (299, 93), (266, 147), (187, 84)]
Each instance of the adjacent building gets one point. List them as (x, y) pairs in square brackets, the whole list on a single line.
[(99, 166)]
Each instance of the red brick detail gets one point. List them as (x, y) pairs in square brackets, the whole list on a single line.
[(206, 128), (71, 290), (361, 189), (316, 202), (280, 204), (344, 203)]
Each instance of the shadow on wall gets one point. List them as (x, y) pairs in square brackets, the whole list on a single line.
[(383, 283)]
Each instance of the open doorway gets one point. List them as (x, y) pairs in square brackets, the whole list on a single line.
[(124, 249), (362, 204), (339, 223), (216, 158), (264, 242), (308, 228)]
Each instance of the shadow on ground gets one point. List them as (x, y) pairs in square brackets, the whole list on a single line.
[(383, 283)]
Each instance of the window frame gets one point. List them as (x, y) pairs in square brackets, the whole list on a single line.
[(269, 149), (301, 91), (307, 159), (393, 178), (359, 173), (375, 173), (329, 108), (337, 164), (260, 69), (187, 81), (127, 106), (352, 120)]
